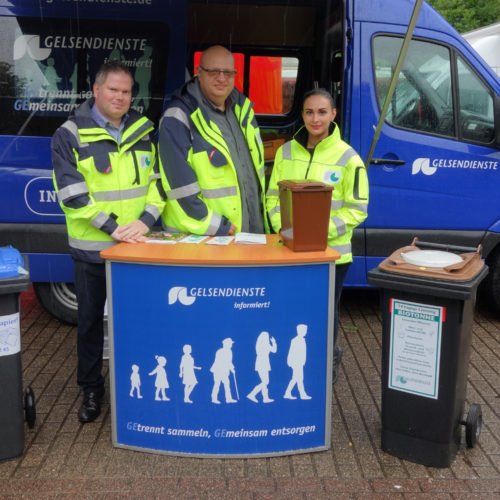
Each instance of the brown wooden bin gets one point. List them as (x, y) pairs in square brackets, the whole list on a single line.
[(305, 214)]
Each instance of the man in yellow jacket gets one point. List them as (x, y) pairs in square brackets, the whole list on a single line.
[(211, 154), (104, 162), (317, 152)]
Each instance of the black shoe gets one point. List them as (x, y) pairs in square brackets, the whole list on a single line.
[(91, 407), (337, 358)]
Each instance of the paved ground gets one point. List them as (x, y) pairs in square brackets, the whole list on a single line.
[(64, 459)]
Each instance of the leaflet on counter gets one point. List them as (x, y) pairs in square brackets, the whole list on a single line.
[(250, 239), (164, 237), (220, 240)]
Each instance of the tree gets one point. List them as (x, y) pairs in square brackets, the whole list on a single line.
[(467, 15)]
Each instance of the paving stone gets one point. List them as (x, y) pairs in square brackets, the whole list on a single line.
[(484, 486), (475, 496), (428, 496), (488, 472), (370, 466), (416, 471), (334, 487), (349, 471), (445, 486), (461, 469), (237, 468), (324, 464), (396, 486)]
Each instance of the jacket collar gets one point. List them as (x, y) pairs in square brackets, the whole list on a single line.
[(191, 96), (301, 136), (84, 118)]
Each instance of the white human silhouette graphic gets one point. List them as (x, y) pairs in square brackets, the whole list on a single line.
[(116, 55), (221, 368), (263, 347), (143, 77), (29, 72), (135, 382), (296, 359), (161, 382), (51, 79), (187, 372)]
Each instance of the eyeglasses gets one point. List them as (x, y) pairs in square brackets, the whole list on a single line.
[(215, 72)]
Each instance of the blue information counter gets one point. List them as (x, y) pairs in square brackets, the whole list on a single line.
[(220, 351)]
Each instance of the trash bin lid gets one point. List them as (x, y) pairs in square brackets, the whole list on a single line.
[(304, 185), (10, 262), (431, 258)]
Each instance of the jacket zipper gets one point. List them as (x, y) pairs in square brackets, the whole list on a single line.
[(309, 164), (137, 175)]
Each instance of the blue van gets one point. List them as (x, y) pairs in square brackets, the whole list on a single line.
[(434, 170)]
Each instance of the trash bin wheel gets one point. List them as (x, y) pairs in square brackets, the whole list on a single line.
[(473, 425), (29, 407)]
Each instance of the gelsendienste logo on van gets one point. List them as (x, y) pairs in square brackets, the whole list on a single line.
[(243, 297), (137, 2), (429, 166), (40, 47)]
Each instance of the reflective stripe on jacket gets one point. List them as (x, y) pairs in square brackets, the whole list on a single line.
[(198, 174), (335, 163), (101, 184)]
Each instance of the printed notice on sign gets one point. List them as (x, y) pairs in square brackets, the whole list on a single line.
[(415, 348), (10, 334)]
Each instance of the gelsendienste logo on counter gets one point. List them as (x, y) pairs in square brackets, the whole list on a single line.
[(243, 297), (429, 166)]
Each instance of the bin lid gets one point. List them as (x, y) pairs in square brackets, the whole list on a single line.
[(11, 262), (431, 258), (435, 264), (304, 185)]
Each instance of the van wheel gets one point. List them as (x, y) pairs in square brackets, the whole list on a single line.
[(59, 299), (490, 287)]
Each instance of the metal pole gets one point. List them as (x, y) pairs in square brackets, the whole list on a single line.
[(394, 79)]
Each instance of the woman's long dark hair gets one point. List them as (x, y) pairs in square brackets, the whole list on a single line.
[(321, 92)]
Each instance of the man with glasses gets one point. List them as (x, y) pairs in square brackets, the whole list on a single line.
[(211, 154)]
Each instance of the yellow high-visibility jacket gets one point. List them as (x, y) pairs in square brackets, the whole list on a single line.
[(198, 174), (335, 163), (101, 184)]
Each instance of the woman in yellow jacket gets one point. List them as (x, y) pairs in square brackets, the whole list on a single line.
[(318, 153)]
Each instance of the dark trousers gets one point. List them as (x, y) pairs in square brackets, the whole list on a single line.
[(340, 274), (90, 286)]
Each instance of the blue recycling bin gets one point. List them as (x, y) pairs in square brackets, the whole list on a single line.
[(14, 279)]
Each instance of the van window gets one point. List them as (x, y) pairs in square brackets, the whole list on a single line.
[(423, 98), (272, 84), (52, 67), (271, 81), (476, 106)]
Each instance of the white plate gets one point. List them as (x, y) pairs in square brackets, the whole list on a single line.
[(431, 258)]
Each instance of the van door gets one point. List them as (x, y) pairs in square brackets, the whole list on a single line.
[(434, 173)]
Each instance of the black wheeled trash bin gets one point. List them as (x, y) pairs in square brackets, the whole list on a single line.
[(428, 294), (14, 279)]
